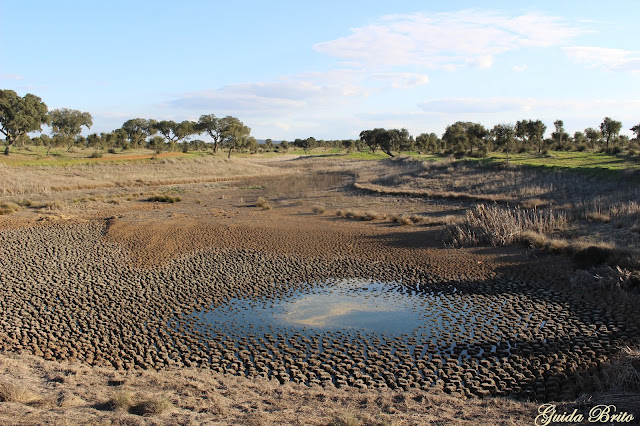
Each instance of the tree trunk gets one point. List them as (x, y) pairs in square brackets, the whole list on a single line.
[(215, 147), (389, 154), (229, 156), (8, 148), (48, 149)]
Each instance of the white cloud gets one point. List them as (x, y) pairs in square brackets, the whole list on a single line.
[(402, 80), (475, 105), (284, 126), (289, 93), (519, 68), (11, 77), (607, 58), (447, 40)]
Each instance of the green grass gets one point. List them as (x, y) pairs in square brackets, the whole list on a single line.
[(37, 156), (589, 162), (367, 155)]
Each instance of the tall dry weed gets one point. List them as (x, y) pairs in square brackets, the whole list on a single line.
[(499, 225)]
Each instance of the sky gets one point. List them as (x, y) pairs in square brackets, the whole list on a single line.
[(293, 69)]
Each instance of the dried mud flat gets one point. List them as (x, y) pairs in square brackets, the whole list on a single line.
[(125, 292)]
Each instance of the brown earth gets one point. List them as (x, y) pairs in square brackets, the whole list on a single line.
[(220, 225)]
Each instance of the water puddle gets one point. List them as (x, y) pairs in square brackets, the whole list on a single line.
[(360, 307)]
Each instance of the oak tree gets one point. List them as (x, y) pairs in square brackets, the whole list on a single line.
[(67, 123), (20, 116)]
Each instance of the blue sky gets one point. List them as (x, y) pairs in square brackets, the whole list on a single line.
[(329, 69)]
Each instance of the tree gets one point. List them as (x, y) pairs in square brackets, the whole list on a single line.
[(400, 140), (308, 143), (520, 129), (559, 135), (477, 135), (213, 126), (455, 137), (369, 137), (579, 140), (636, 129), (234, 134), (20, 116), (138, 129), (67, 123), (348, 144), (387, 140), (174, 132), (427, 142), (156, 143), (535, 132), (504, 134), (593, 136), (610, 129)]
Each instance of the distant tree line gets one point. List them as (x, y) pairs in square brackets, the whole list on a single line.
[(473, 139), (20, 116)]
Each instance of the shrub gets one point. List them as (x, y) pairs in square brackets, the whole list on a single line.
[(121, 401), (623, 374), (11, 392), (263, 203), (318, 209), (7, 207), (501, 225), (96, 154), (149, 407), (163, 198)]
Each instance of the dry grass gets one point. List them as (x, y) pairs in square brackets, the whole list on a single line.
[(263, 203), (361, 215), (191, 396), (121, 401), (22, 180), (539, 241), (8, 207), (499, 226), (151, 406), (161, 198), (623, 374), (13, 392), (318, 209)]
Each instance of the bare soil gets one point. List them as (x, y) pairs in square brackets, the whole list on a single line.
[(97, 293)]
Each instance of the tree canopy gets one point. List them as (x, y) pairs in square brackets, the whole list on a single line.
[(20, 116), (235, 135), (609, 129), (67, 123)]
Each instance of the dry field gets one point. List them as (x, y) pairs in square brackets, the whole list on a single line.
[(107, 269)]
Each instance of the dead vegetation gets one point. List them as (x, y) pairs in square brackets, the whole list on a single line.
[(500, 226), (400, 219), (623, 374), (26, 180), (263, 203), (191, 396)]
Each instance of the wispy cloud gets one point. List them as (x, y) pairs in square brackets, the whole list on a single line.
[(519, 68), (303, 90), (475, 105), (468, 38), (403, 80), (528, 105), (607, 58), (11, 77)]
